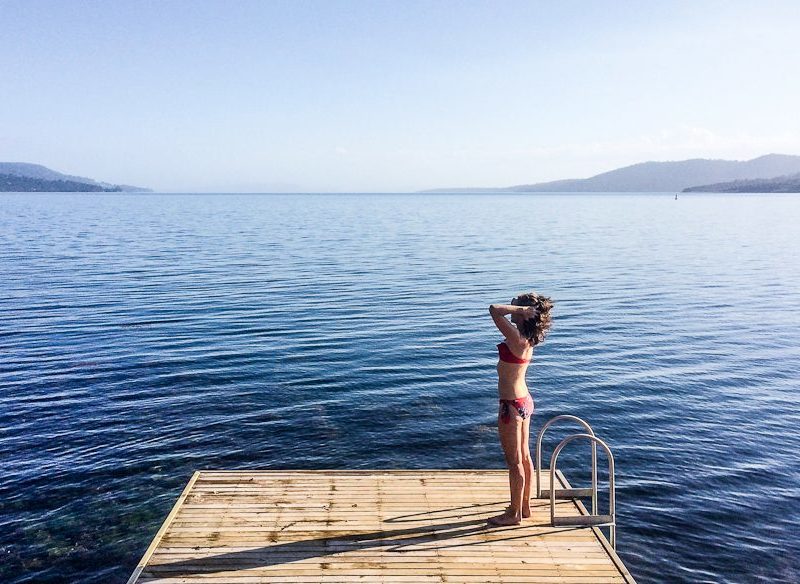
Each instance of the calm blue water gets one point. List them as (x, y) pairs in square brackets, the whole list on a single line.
[(145, 336)]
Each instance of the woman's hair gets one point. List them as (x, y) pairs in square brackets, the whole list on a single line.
[(535, 329)]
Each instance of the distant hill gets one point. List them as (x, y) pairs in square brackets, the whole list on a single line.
[(26, 177), (663, 176), (12, 183), (789, 183)]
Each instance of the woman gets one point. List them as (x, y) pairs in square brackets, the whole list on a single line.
[(530, 321)]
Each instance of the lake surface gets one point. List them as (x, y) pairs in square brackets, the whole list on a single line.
[(145, 336)]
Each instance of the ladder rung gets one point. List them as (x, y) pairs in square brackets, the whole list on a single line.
[(567, 493), (583, 520)]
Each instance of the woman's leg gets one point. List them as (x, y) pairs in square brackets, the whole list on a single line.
[(511, 441), (527, 465)]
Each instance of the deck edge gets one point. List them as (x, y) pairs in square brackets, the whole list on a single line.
[(163, 529), (601, 537)]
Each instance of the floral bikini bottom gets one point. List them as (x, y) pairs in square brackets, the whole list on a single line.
[(523, 405)]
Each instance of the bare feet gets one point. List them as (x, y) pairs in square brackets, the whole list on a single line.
[(508, 517), (526, 511)]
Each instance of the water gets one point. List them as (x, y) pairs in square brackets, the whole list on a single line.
[(145, 336)]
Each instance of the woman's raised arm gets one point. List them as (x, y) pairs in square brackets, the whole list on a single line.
[(499, 312)]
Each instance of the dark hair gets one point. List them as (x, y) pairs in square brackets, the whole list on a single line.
[(535, 329)]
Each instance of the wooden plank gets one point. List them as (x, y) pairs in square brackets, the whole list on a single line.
[(367, 526)]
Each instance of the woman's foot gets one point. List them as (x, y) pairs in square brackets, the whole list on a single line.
[(508, 517), (526, 512)]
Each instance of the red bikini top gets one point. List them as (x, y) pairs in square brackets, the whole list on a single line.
[(509, 357)]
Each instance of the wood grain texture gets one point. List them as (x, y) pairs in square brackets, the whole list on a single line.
[(368, 526)]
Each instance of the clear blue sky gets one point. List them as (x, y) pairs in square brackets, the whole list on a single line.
[(390, 96)]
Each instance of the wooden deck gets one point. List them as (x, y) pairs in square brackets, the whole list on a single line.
[(367, 526)]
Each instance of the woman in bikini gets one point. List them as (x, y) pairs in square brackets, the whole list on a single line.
[(530, 321)]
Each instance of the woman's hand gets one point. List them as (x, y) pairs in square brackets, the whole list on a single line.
[(503, 309)]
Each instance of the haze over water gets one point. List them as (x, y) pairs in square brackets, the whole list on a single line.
[(146, 336)]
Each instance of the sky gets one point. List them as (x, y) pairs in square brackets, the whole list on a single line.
[(379, 96)]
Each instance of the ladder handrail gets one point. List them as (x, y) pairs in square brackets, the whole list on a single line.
[(538, 464), (612, 492)]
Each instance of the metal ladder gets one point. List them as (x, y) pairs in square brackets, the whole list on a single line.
[(566, 493), (594, 519)]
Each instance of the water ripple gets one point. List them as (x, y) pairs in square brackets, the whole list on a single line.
[(146, 336)]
